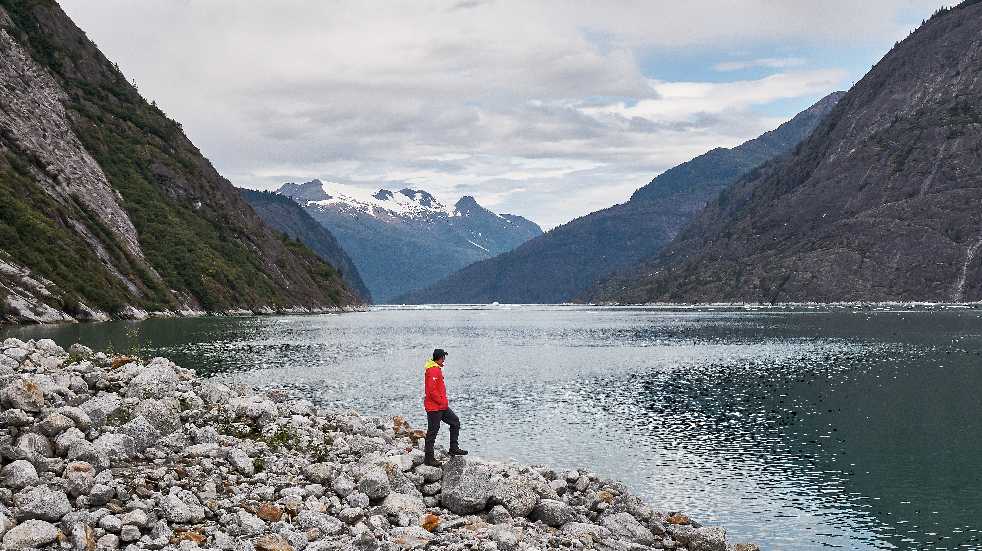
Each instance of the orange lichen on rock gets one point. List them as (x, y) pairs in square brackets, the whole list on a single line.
[(269, 512), (120, 361), (430, 522), (677, 518)]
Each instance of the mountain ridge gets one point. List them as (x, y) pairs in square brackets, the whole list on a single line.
[(561, 264), (879, 204), (406, 239)]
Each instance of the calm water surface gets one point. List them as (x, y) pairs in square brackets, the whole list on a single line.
[(797, 429)]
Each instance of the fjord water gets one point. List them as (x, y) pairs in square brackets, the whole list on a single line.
[(796, 428)]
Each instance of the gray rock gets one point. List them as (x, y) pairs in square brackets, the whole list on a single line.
[(258, 409), (64, 440), (553, 513), (343, 486), (210, 449), (78, 416), (30, 534), (116, 446), (80, 476), (706, 538), (143, 433), (15, 418), (431, 489), (17, 354), (506, 539), (164, 415), (430, 474), (100, 494), (111, 523), (41, 503), (83, 450), (375, 484), (249, 524), (241, 462), (100, 408), (136, 517), (182, 507), (108, 542), (320, 473), (157, 380), (394, 504), (54, 424), (499, 515), (18, 475), (215, 393), (80, 351), (34, 447), (351, 515), (323, 523), (129, 533), (516, 494), (626, 527), (583, 530), (358, 500), (466, 486)]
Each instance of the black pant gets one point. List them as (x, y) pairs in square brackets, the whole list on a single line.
[(433, 419)]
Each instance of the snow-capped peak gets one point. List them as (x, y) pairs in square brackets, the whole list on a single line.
[(406, 202)]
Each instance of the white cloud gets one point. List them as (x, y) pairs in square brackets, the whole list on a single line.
[(765, 62), (513, 102)]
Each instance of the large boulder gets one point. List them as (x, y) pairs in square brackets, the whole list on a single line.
[(466, 486), (18, 475), (516, 494), (626, 527), (117, 447), (553, 513), (24, 394), (101, 407), (41, 503), (157, 380), (30, 535), (375, 484), (706, 538), (395, 504), (143, 433), (164, 415)]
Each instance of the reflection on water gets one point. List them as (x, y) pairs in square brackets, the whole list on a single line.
[(797, 429)]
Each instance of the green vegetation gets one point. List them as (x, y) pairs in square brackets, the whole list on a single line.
[(193, 229)]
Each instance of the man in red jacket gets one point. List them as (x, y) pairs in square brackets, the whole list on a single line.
[(438, 408)]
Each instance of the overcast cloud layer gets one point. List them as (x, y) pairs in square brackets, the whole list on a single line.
[(545, 109)]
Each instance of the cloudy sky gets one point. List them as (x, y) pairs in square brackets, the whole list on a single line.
[(545, 109)]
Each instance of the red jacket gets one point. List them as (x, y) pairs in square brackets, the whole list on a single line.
[(436, 392)]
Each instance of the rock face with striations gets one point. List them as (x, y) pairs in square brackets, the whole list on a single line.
[(108, 210), (880, 203), (561, 264), (242, 471)]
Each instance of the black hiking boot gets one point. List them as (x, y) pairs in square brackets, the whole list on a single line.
[(432, 462), (457, 451)]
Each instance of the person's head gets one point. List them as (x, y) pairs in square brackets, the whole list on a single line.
[(439, 355)]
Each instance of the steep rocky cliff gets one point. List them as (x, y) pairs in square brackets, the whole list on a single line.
[(106, 208), (882, 202), (559, 265)]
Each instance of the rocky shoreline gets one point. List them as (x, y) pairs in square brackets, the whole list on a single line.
[(105, 453)]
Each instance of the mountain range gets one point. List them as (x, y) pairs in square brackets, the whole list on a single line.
[(407, 239), (563, 263), (881, 203), (108, 210)]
